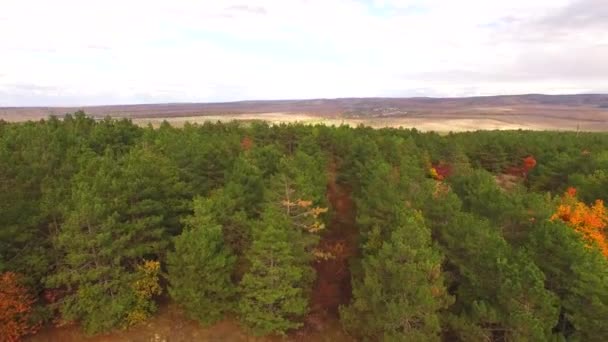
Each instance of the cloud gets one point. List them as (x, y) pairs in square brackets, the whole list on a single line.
[(248, 9), (579, 15), (188, 50)]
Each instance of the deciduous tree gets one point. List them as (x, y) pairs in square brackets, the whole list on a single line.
[(15, 308), (589, 221)]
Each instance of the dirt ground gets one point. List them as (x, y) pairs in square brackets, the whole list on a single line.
[(170, 325)]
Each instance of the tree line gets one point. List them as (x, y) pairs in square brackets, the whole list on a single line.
[(101, 219)]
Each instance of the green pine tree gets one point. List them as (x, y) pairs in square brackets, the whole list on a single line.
[(500, 292), (200, 267), (401, 290), (578, 276), (98, 244), (120, 213), (272, 292)]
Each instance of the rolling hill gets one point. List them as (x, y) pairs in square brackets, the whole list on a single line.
[(533, 111)]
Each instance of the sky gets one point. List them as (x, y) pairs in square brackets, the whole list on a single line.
[(85, 52)]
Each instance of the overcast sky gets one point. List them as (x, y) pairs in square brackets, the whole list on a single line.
[(65, 52)]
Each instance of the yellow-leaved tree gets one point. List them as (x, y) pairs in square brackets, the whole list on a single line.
[(145, 287)]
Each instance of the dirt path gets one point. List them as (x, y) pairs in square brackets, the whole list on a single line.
[(332, 286)]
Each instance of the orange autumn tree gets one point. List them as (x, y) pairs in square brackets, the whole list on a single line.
[(528, 163), (590, 221), (15, 308)]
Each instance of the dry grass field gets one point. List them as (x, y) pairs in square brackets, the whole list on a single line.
[(531, 112), (422, 124)]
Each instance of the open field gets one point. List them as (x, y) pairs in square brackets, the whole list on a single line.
[(423, 124), (533, 112)]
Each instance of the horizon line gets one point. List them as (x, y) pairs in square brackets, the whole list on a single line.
[(313, 99)]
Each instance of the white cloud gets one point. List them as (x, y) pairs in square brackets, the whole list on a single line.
[(94, 52)]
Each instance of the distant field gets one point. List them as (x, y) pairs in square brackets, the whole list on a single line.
[(423, 124), (533, 112)]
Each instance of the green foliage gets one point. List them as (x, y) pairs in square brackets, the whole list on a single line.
[(401, 290), (272, 291), (500, 293), (492, 157), (577, 275), (93, 210), (591, 186), (245, 186), (120, 211), (202, 154), (200, 267), (513, 212)]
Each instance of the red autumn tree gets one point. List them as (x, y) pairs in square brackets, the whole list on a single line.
[(590, 221), (15, 308), (440, 171), (528, 163)]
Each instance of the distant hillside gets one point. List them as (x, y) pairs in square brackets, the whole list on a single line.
[(590, 110)]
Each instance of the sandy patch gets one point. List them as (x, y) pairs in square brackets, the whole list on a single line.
[(422, 124)]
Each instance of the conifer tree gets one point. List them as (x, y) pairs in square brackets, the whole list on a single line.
[(578, 275), (401, 290), (245, 186), (120, 212), (297, 191), (272, 292), (500, 292), (200, 267), (96, 244)]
